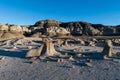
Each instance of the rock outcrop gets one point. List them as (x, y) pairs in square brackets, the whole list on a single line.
[(80, 28), (3, 27), (108, 50), (54, 27), (15, 28), (57, 31), (46, 24), (45, 50), (10, 34)]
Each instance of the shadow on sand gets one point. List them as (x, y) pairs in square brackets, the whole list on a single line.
[(18, 54)]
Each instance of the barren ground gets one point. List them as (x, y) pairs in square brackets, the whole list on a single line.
[(16, 67)]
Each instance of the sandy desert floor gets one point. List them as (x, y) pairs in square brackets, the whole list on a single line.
[(14, 65)]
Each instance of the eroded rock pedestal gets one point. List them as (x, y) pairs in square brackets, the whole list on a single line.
[(108, 49), (45, 50)]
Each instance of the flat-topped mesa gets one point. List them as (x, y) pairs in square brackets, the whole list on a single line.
[(45, 50), (108, 48)]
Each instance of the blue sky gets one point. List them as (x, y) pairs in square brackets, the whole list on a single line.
[(25, 12)]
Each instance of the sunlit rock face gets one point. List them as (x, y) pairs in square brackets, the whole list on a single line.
[(57, 31), (77, 28), (25, 29), (15, 28), (4, 27)]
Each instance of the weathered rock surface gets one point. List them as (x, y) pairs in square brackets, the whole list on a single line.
[(3, 27), (10, 34), (75, 28), (45, 50), (15, 28), (108, 49), (55, 31)]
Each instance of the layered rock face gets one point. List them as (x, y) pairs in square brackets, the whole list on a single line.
[(17, 28), (45, 24), (55, 27)]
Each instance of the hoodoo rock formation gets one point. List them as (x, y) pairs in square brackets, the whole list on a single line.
[(108, 50), (45, 50)]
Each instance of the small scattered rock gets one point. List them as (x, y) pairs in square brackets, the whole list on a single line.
[(2, 58), (41, 57), (73, 66), (47, 61), (33, 58), (79, 55), (29, 47), (91, 44), (60, 60), (33, 62), (88, 64), (66, 54), (78, 49), (14, 47), (70, 58), (105, 57), (87, 49)]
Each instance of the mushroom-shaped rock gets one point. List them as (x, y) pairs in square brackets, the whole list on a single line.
[(108, 50), (48, 49), (45, 50)]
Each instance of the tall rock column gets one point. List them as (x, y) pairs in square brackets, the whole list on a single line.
[(45, 50), (108, 49)]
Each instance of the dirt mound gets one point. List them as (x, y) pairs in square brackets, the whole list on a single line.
[(9, 35)]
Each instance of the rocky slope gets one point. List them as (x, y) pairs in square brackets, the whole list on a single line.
[(74, 28)]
